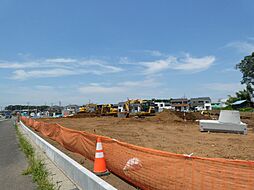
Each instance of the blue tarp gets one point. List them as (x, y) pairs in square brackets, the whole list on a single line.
[(239, 102)]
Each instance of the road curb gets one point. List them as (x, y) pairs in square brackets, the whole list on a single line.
[(83, 178)]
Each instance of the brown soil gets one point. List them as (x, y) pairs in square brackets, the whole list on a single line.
[(169, 131)]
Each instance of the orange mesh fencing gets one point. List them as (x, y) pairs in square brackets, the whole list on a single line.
[(153, 169)]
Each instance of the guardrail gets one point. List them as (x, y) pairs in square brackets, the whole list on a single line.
[(83, 178)]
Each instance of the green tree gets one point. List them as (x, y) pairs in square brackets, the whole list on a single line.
[(241, 95), (231, 99), (246, 66)]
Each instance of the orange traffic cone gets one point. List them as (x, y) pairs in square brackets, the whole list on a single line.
[(99, 161)]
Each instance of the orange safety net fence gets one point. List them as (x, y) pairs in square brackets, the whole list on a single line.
[(153, 169)]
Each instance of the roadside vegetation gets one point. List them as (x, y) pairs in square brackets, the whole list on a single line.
[(36, 167)]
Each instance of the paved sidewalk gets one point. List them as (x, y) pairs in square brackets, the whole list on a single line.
[(56, 176), (12, 160)]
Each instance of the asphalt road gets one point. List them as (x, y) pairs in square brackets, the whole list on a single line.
[(12, 160)]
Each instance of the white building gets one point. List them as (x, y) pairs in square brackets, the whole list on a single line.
[(121, 107), (163, 105), (223, 102), (200, 103)]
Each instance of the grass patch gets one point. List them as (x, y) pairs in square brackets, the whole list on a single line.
[(36, 167)]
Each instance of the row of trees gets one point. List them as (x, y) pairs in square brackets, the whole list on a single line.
[(26, 107)]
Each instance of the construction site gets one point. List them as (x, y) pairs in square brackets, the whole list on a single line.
[(172, 132), (127, 95)]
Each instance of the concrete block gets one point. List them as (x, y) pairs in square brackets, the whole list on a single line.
[(229, 121)]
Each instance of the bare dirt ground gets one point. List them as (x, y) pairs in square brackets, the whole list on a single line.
[(169, 131)]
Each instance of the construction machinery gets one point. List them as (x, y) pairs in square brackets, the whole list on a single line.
[(138, 108), (82, 109), (148, 108), (109, 110), (88, 108)]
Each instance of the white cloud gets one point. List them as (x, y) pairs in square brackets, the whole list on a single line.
[(155, 53), (61, 60), (44, 87), (157, 65), (137, 84), (225, 87), (194, 64), (81, 94), (245, 47), (122, 90), (186, 63), (58, 67), (22, 74), (40, 95), (97, 89), (228, 70), (121, 86)]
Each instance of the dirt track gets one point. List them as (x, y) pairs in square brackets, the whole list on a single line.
[(169, 132)]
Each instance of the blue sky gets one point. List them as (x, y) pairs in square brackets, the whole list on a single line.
[(106, 51)]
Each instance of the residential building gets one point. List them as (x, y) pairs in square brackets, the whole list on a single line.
[(223, 102), (121, 107), (135, 107), (54, 111), (200, 103), (70, 110), (180, 104), (162, 104), (216, 105)]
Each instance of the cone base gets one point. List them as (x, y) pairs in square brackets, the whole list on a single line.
[(102, 173)]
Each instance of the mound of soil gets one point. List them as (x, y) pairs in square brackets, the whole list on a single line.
[(191, 116), (84, 115), (177, 117), (165, 117), (167, 131)]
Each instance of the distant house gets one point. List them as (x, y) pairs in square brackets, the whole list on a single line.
[(216, 105), (121, 107), (162, 104), (223, 102), (180, 104), (135, 107), (241, 104), (200, 103), (54, 111), (70, 110)]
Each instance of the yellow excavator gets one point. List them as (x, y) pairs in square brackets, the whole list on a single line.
[(147, 109), (82, 109), (109, 110), (138, 107)]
